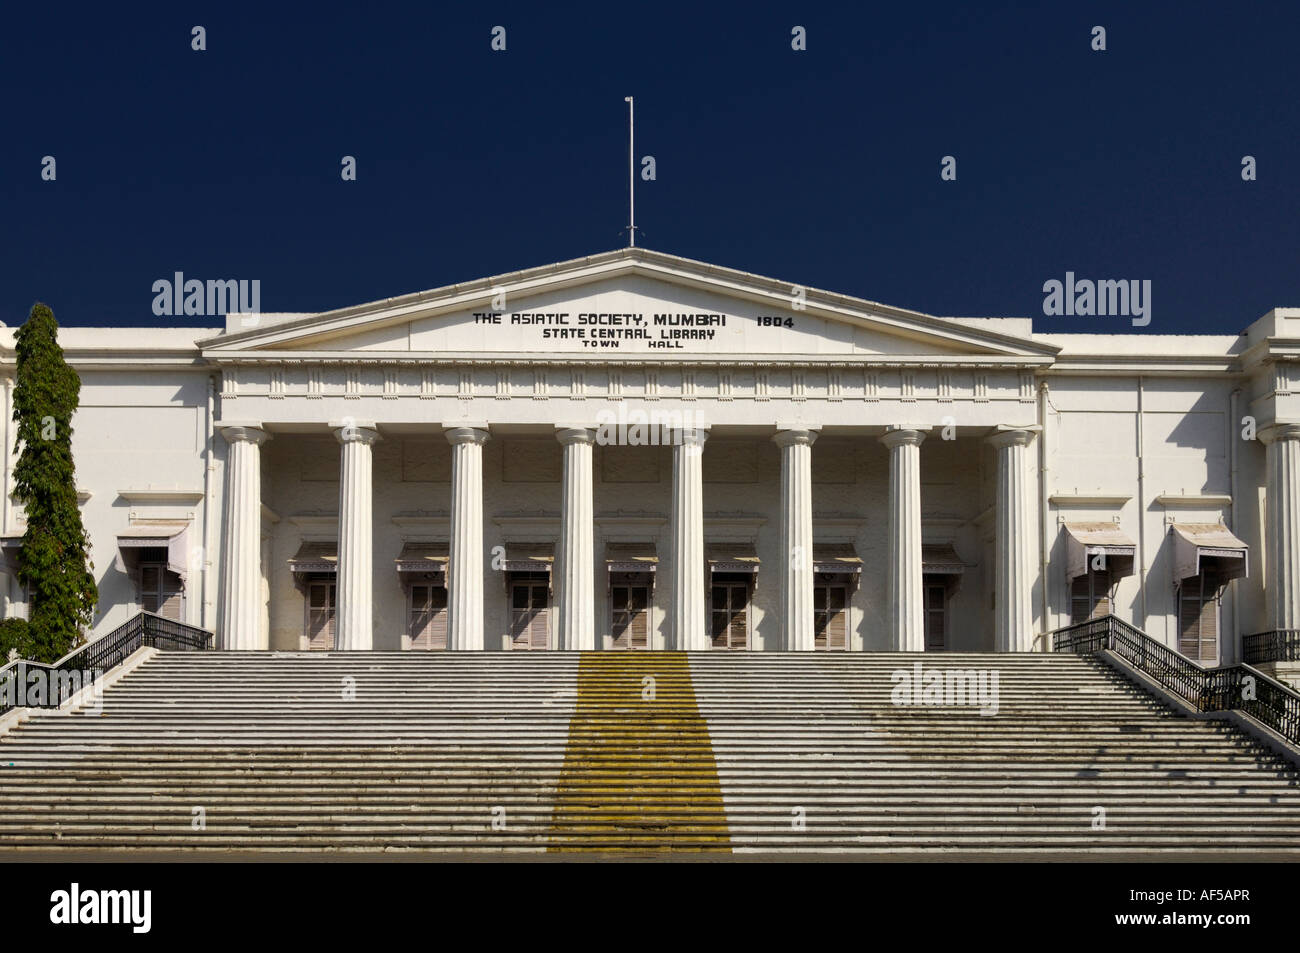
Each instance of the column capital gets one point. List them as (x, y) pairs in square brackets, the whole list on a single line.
[(1278, 431), (568, 434), (692, 437), (467, 434), (355, 431), (237, 431), (898, 435), (1007, 435), (795, 436)]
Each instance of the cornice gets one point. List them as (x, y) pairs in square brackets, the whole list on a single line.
[(1097, 499), (560, 359), (161, 495), (1270, 350), (324, 523), (1108, 365), (1193, 500)]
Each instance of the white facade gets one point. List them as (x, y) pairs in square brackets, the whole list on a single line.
[(340, 478)]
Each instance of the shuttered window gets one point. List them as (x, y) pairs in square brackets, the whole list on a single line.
[(529, 614), (320, 615), (936, 617), (1198, 617), (1090, 595), (630, 622), (161, 591), (729, 613), (428, 617), (830, 617)]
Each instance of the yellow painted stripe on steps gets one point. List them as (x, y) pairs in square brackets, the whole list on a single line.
[(638, 771)]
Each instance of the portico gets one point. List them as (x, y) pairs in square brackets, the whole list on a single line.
[(723, 510)]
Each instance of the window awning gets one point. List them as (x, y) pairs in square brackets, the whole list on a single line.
[(315, 556), (1085, 541), (1195, 543), (171, 536), (941, 559), (529, 557), (631, 557), (836, 557), (732, 557), (422, 557)]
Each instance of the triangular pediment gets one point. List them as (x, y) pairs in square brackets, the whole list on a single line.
[(627, 304)]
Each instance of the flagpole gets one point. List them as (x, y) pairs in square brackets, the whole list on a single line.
[(631, 178)]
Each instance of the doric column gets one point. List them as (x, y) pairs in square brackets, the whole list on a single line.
[(906, 608), (576, 594), (688, 624), (1282, 530), (241, 589), (465, 568), (1014, 569), (354, 607), (797, 538)]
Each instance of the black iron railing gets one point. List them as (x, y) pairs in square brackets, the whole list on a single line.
[(1241, 687), (1272, 702), (38, 685), (1276, 645)]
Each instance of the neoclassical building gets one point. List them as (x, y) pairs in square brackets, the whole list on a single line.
[(638, 451)]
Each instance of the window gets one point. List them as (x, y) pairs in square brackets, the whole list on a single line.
[(530, 606), (1198, 616), (630, 615), (830, 617), (1090, 595), (936, 615), (320, 615), (729, 611), (427, 616), (161, 591)]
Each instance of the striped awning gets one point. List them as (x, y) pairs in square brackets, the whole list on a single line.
[(732, 557), (1086, 541), (529, 557), (631, 557), (1196, 544), (422, 557), (941, 559), (315, 556), (836, 557)]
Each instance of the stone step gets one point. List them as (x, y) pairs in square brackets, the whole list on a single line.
[(729, 747)]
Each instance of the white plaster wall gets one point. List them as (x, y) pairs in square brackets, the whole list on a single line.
[(1188, 438), (139, 430)]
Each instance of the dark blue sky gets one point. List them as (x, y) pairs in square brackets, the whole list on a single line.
[(820, 167)]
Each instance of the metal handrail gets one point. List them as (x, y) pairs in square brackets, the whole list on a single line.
[(1275, 645), (98, 656), (1240, 687)]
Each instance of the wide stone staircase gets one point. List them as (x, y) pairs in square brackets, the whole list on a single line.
[(639, 752)]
